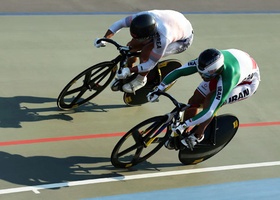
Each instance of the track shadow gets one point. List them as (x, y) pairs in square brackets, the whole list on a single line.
[(15, 110), (37, 170), (93, 107)]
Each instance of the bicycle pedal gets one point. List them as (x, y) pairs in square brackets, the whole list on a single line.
[(190, 145), (177, 143)]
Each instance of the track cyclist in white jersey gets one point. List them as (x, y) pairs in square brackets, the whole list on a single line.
[(228, 76), (156, 33)]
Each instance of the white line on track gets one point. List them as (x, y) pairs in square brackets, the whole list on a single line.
[(36, 188)]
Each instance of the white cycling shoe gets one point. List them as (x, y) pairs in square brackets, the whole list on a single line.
[(191, 141), (135, 84), (115, 85)]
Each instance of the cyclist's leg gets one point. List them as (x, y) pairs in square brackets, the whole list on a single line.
[(240, 92), (178, 46), (243, 91)]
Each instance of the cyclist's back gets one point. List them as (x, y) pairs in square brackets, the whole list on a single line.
[(239, 69)]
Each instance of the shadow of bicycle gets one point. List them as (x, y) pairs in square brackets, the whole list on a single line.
[(37, 170), (18, 109)]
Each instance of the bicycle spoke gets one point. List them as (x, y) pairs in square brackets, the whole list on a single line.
[(138, 153), (87, 77), (87, 85), (140, 143), (136, 135), (73, 91), (128, 150), (76, 99), (149, 133), (98, 79)]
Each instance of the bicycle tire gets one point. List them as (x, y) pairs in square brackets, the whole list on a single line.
[(130, 147), (86, 85)]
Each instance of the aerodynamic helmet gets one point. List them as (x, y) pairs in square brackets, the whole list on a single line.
[(143, 27), (210, 63)]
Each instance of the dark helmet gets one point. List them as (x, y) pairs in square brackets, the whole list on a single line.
[(143, 26), (210, 63)]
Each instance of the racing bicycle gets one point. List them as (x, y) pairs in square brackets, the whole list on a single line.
[(92, 81), (145, 139)]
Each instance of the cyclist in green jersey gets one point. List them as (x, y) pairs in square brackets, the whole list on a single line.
[(228, 76)]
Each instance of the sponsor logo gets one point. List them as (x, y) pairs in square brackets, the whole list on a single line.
[(192, 63), (235, 124), (219, 93), (239, 96), (162, 64), (249, 77), (158, 41)]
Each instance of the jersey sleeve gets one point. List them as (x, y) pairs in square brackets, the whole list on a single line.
[(223, 90), (118, 25), (185, 70)]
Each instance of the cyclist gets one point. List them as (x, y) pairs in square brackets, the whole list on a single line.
[(156, 33), (228, 76)]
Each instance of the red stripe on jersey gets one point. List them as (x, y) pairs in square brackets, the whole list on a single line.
[(213, 84), (254, 63)]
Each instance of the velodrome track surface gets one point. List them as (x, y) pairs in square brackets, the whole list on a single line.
[(51, 154)]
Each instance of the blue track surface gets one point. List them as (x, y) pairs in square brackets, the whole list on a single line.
[(267, 189)]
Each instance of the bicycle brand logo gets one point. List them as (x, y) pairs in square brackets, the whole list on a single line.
[(163, 64), (235, 124)]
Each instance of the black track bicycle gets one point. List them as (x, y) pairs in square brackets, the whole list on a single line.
[(145, 139), (92, 81)]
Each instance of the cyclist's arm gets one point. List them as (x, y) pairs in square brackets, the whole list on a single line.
[(224, 87), (160, 44), (185, 70), (118, 25), (109, 34)]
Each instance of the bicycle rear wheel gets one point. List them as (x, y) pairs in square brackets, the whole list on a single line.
[(223, 128), (87, 85), (140, 143)]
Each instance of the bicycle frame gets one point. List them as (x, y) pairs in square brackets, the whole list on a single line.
[(93, 80), (146, 140)]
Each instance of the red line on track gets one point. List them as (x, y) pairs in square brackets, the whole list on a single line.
[(57, 139), (105, 135), (260, 124)]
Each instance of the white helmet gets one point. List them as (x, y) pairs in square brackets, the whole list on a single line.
[(210, 63)]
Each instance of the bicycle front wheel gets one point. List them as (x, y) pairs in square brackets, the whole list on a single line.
[(87, 85), (140, 143)]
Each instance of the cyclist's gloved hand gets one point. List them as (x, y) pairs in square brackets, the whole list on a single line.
[(98, 43), (125, 72), (180, 128), (153, 96), (124, 48)]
